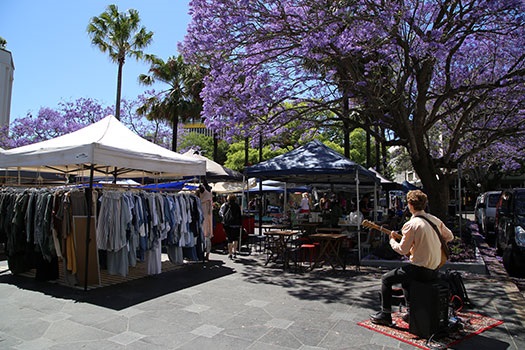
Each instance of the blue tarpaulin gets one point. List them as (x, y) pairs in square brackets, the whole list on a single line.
[(172, 186)]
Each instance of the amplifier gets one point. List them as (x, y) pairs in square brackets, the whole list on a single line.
[(428, 307)]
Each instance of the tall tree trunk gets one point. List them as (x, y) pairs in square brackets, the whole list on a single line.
[(346, 138), (368, 150), (436, 188), (215, 146), (346, 123), (384, 151), (435, 181), (175, 131), (119, 89), (246, 152), (260, 147), (378, 150)]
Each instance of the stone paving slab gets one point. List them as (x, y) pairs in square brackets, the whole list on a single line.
[(227, 304)]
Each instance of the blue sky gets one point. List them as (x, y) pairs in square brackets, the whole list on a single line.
[(55, 61)]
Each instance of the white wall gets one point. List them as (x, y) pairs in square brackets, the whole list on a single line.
[(7, 69)]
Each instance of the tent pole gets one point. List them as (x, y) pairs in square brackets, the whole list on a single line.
[(376, 200), (357, 216), (242, 215), (459, 201), (285, 203), (260, 209), (89, 198)]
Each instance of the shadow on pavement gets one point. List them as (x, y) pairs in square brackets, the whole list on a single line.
[(360, 288), (124, 295)]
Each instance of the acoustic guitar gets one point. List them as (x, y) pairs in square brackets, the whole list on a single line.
[(370, 224)]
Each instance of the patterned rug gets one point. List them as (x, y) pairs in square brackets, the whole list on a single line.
[(470, 324)]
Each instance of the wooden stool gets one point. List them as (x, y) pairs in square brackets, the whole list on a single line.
[(310, 248)]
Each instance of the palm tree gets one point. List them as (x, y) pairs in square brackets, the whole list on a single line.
[(181, 99), (119, 34)]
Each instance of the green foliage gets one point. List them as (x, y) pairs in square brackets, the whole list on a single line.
[(335, 146), (269, 152), (236, 155), (401, 160), (204, 144), (180, 101), (358, 146)]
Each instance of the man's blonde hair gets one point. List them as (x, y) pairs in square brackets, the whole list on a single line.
[(418, 199)]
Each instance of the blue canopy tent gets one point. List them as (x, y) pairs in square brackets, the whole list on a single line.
[(315, 163), (266, 188), (407, 186)]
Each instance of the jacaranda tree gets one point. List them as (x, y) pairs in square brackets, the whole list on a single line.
[(71, 116), (445, 79)]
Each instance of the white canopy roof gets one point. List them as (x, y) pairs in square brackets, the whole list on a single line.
[(108, 145), (214, 171), (232, 187)]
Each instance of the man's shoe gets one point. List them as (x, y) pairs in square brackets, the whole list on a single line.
[(406, 317), (381, 318)]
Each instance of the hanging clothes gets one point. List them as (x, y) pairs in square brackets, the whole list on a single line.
[(37, 226)]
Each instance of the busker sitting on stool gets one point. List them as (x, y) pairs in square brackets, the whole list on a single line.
[(420, 241)]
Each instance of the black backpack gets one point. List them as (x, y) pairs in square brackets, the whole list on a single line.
[(458, 293), (227, 217)]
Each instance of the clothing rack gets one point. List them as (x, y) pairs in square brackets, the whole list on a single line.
[(90, 212)]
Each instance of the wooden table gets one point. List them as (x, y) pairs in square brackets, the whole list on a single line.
[(329, 230), (350, 229), (277, 241), (269, 227), (308, 228), (330, 246)]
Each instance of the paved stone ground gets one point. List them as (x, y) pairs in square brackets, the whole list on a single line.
[(230, 305)]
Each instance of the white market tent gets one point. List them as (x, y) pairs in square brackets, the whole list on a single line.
[(225, 187), (106, 147), (215, 171), (109, 147)]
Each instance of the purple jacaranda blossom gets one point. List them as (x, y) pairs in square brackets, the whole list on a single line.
[(442, 79), (73, 115)]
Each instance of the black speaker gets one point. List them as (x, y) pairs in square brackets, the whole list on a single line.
[(428, 307)]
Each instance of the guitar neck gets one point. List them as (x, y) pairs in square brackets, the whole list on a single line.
[(374, 226)]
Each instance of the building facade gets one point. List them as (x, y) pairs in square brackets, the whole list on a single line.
[(7, 73)]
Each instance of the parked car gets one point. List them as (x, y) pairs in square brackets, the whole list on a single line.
[(485, 212), (510, 229)]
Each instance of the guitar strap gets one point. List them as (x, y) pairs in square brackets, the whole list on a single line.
[(444, 245)]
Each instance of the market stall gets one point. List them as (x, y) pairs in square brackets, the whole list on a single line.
[(316, 164), (105, 148)]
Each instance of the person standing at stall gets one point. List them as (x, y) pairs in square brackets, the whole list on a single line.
[(365, 207), (207, 210), (305, 204), (232, 221)]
